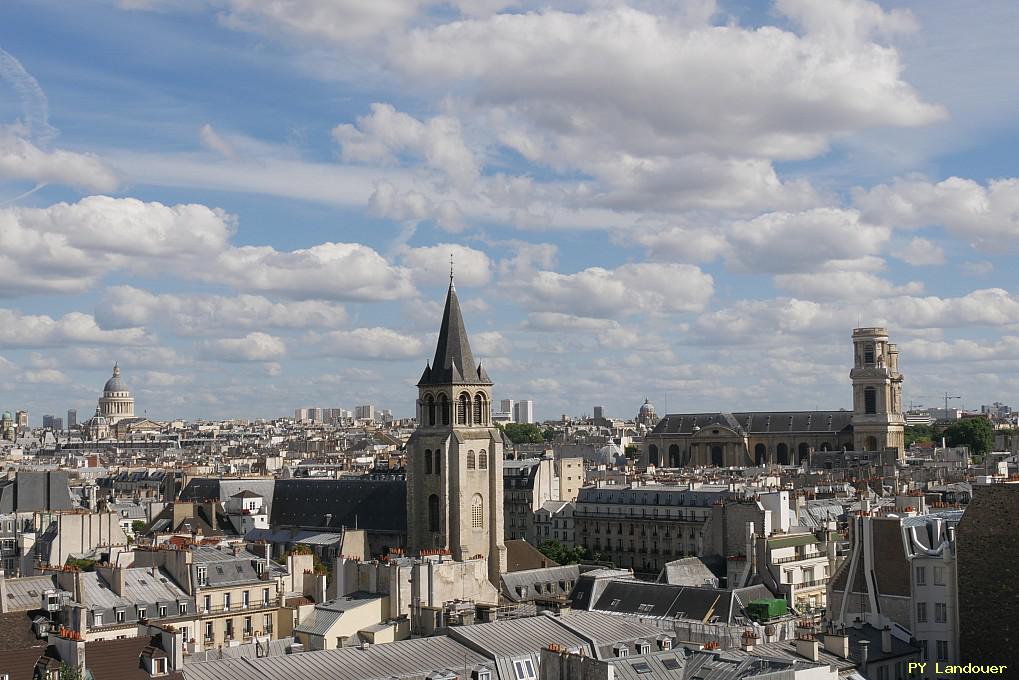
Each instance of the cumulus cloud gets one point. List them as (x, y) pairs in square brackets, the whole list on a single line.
[(843, 285), (22, 160), (198, 314), (386, 135), (921, 252), (26, 330), (388, 202), (370, 344), (256, 346), (46, 376), (626, 290), (981, 214), (339, 20), (430, 264), (800, 242)]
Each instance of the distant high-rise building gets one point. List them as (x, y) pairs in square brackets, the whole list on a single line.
[(507, 405), (523, 411), (365, 412), (599, 412), (315, 415), (50, 422), (300, 414), (72, 419), (21, 420)]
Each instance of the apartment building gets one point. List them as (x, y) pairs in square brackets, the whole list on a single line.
[(553, 521), (931, 551), (529, 482)]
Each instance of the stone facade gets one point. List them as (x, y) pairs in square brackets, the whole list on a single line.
[(455, 457)]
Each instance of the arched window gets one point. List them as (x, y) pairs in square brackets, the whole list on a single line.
[(803, 454), (869, 400), (438, 461), (482, 460), (428, 461), (479, 417), (782, 453), (430, 409), (477, 512), (674, 456), (717, 456), (868, 353), (760, 454), (652, 455), (444, 408), (433, 513), (470, 459), (463, 409)]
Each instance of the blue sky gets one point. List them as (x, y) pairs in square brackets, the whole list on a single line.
[(251, 205)]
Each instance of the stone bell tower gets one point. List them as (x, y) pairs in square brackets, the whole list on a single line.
[(877, 393), (454, 458)]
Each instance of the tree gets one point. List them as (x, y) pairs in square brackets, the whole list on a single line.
[(68, 672), (921, 434), (137, 526), (975, 433), (549, 434), (523, 433), (557, 552)]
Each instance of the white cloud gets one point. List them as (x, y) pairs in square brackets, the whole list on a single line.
[(339, 20), (24, 330), (388, 202), (802, 242), (843, 285), (45, 376), (336, 271), (211, 139), (629, 289), (256, 346), (490, 345), (386, 135), (986, 216), (200, 314), (20, 159), (370, 344), (430, 264), (921, 252)]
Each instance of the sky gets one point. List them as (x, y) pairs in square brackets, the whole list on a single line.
[(251, 206)]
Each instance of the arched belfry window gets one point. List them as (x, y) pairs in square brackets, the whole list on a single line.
[(868, 353), (869, 400), (470, 460), (444, 408), (463, 409), (482, 460), (479, 417), (477, 512), (430, 409), (428, 461), (438, 461), (433, 513)]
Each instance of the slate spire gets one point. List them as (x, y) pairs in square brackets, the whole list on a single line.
[(453, 361)]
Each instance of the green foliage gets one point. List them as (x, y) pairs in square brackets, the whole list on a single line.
[(523, 433), (138, 526), (548, 434), (557, 552), (631, 450), (68, 672), (922, 434), (81, 565), (976, 433)]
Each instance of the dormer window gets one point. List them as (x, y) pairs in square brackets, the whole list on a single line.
[(158, 667), (482, 673), (202, 576)]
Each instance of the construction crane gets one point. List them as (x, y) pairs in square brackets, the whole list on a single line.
[(947, 397)]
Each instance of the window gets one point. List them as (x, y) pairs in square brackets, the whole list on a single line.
[(97, 618), (471, 462), (247, 626), (428, 461), (207, 605), (921, 612), (524, 670), (477, 512), (267, 624), (868, 354), (939, 576), (923, 650), (226, 600), (265, 597), (246, 599), (229, 629), (182, 608), (433, 513), (942, 650), (921, 576), (430, 407), (463, 409), (482, 460), (162, 612), (940, 612), (208, 631), (869, 400), (120, 616), (478, 410), (438, 462), (202, 575), (141, 613)]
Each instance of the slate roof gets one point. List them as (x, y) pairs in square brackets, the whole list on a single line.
[(23, 594), (370, 504), (16, 632), (692, 571), (662, 600), (324, 615), (552, 581), (120, 659), (453, 361), (43, 491), (760, 422)]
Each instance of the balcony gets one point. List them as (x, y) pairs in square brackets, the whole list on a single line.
[(251, 607)]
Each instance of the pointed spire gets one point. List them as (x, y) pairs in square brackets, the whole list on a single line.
[(451, 272), (453, 361)]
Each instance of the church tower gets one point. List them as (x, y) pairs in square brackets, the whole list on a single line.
[(454, 458), (877, 393)]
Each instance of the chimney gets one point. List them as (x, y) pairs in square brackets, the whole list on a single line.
[(3, 591), (864, 653), (886, 640), (808, 647), (117, 578), (837, 644)]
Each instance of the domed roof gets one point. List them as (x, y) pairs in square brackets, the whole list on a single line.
[(115, 384), (647, 407)]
